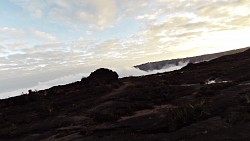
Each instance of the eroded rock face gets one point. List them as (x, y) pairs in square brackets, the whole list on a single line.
[(102, 75)]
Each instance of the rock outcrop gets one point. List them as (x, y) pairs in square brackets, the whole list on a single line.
[(101, 76)]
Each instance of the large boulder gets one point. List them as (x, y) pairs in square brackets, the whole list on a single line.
[(102, 75)]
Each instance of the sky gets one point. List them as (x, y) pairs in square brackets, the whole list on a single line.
[(50, 42)]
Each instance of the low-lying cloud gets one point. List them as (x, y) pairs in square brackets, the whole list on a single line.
[(125, 72)]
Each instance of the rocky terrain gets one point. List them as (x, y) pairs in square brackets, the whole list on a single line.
[(176, 62), (201, 102)]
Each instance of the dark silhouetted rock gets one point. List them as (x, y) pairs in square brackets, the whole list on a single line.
[(102, 75)]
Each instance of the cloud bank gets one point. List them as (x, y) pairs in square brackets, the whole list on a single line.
[(123, 72)]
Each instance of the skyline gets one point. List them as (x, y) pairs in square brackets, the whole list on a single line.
[(43, 41)]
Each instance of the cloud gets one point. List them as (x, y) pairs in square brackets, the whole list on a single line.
[(122, 72), (10, 33), (169, 27), (98, 14), (45, 85), (44, 35), (192, 21), (102, 14), (89, 32), (151, 16), (166, 29)]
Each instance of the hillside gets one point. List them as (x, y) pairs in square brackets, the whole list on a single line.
[(196, 59), (201, 102)]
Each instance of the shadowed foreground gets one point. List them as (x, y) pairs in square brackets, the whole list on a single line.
[(201, 102)]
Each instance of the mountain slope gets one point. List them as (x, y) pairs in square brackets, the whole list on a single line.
[(165, 63), (205, 101)]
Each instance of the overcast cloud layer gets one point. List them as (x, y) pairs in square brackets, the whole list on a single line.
[(43, 40)]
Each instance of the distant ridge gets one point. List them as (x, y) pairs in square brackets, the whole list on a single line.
[(150, 66)]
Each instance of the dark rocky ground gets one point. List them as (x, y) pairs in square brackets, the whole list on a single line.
[(173, 106), (150, 66)]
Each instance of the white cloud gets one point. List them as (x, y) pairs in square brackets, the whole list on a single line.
[(167, 29), (151, 16), (12, 31), (102, 14), (45, 85), (44, 35), (21, 34), (89, 32), (98, 14), (182, 25), (122, 72)]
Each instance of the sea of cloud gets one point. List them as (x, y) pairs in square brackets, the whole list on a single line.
[(123, 72)]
